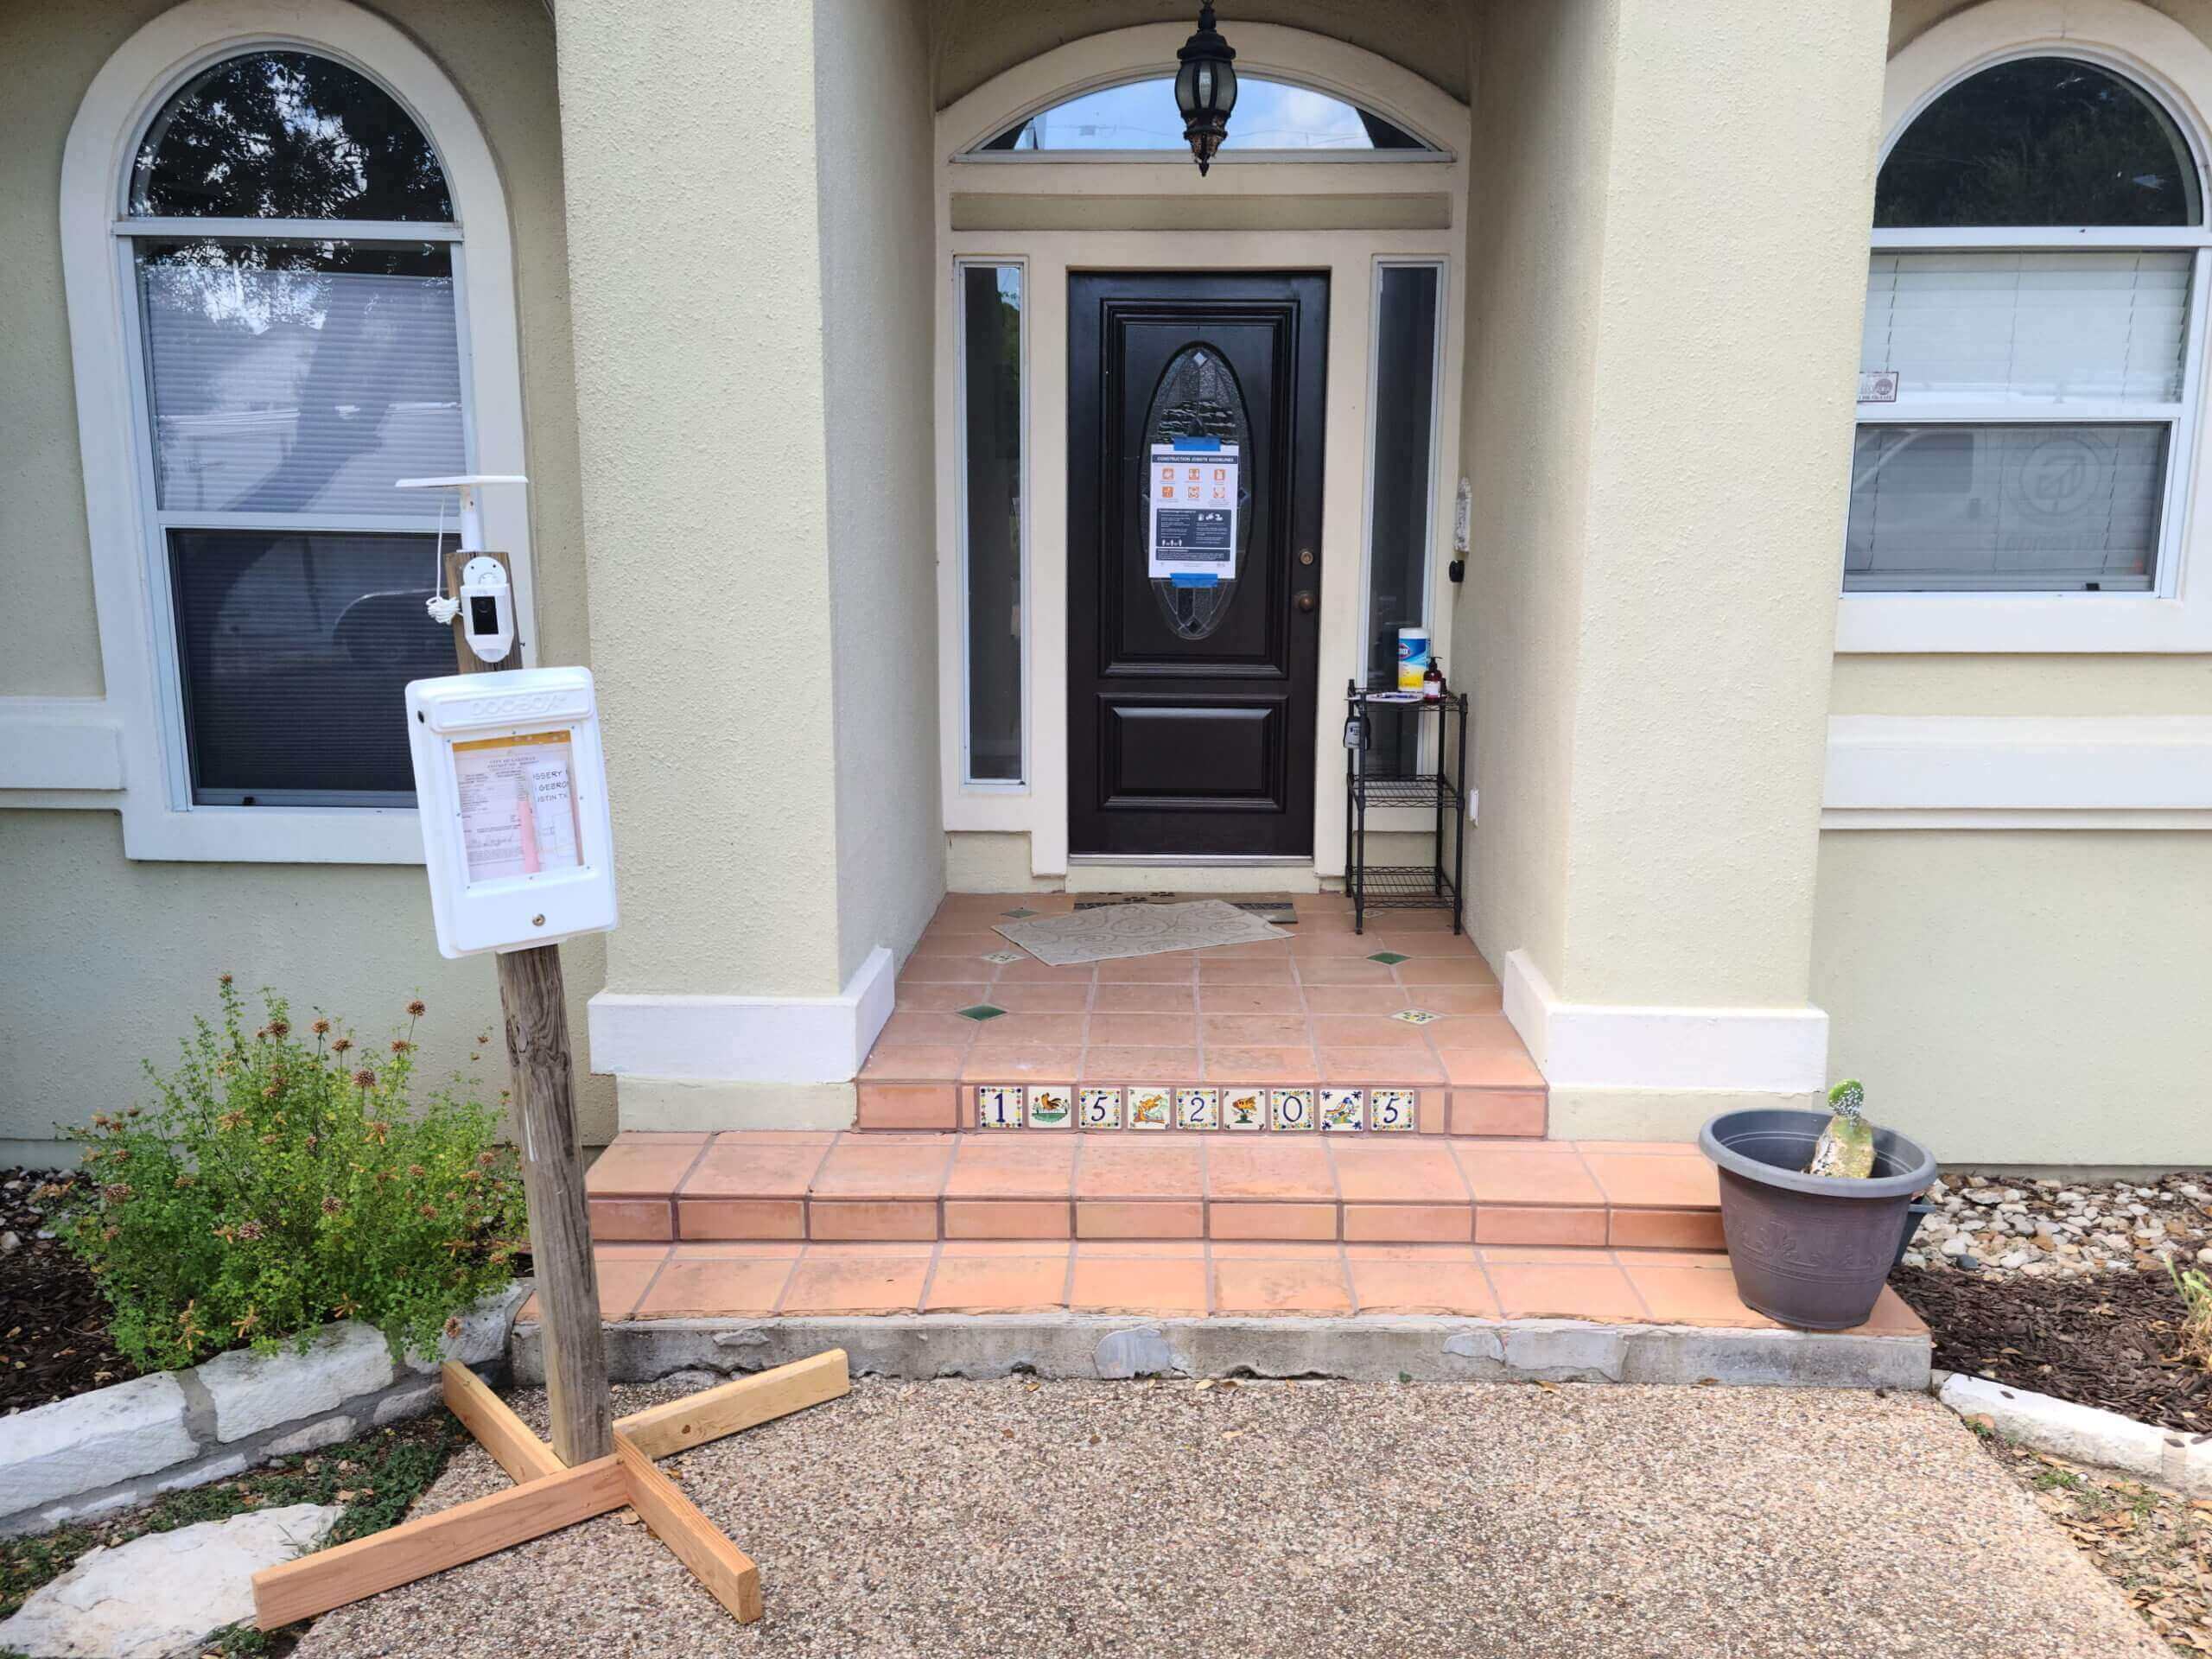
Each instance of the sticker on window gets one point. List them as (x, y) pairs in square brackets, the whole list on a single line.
[(1877, 385), (518, 799)]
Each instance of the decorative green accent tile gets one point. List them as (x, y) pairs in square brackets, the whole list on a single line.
[(1387, 959), (1414, 1016), (980, 1013), (1017, 913)]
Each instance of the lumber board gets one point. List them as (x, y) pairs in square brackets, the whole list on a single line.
[(497, 1429), (712, 1412), (726, 1571), (416, 1549)]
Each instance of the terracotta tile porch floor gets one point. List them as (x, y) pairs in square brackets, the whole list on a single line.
[(1318, 1009), (644, 1283)]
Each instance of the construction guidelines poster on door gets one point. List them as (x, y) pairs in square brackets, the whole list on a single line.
[(1193, 492)]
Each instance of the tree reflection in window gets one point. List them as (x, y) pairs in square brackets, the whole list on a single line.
[(287, 135), (2039, 141)]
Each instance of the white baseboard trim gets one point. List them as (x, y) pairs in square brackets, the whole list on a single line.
[(745, 1038), (1609, 1045)]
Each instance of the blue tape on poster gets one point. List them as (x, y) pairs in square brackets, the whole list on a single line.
[(1197, 444), (1188, 579)]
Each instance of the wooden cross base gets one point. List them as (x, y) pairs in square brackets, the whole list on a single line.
[(549, 1495)]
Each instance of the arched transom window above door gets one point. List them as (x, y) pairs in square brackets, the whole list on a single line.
[(290, 287), (1139, 117), (2027, 463)]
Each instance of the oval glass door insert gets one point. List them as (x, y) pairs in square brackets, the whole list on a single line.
[(1199, 397)]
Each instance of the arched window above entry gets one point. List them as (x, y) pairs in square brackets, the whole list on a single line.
[(2040, 141), (1140, 117), (286, 135)]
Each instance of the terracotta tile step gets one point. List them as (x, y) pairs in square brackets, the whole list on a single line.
[(790, 1188), (1191, 1279)]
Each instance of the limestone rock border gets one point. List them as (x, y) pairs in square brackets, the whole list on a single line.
[(2089, 1434), (119, 1445)]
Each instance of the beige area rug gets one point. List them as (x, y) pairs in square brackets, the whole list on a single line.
[(1136, 930)]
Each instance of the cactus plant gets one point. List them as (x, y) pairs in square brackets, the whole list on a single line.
[(1847, 1145)]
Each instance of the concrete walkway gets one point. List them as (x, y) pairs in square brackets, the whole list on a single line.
[(999, 1518)]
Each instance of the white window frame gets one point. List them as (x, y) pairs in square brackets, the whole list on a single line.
[(969, 781), (2171, 65), (129, 553), (1427, 586)]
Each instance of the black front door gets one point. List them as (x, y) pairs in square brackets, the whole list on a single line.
[(1191, 695)]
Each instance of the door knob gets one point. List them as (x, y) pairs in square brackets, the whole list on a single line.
[(1304, 599)]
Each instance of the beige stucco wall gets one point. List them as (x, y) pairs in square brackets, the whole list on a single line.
[(1663, 192), (2025, 997), (877, 174), (1536, 243), (977, 38), (103, 961), (2015, 995), (697, 285)]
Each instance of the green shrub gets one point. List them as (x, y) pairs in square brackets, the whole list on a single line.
[(285, 1179)]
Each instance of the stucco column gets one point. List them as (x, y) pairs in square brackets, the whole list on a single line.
[(695, 266), (1672, 722)]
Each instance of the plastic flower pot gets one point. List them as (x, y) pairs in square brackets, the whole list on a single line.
[(1809, 1250)]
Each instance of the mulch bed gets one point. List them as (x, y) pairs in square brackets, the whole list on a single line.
[(53, 1320), (2108, 1341)]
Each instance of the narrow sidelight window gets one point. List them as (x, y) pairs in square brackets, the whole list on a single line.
[(1401, 492), (992, 534)]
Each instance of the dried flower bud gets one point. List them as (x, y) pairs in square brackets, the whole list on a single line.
[(117, 1191), (229, 1120), (222, 979), (280, 1028), (415, 1008), (332, 1203), (452, 1326), (366, 1078), (321, 1027), (429, 1212), (249, 1231), (400, 1044), (416, 1171)]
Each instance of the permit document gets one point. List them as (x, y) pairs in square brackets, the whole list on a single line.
[(1192, 524), (518, 805)]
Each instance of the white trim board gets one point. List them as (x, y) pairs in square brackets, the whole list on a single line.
[(1608, 1046), (159, 820), (745, 1038), (59, 743), (1951, 771)]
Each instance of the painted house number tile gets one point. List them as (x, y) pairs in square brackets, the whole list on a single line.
[(1151, 1109), (1342, 1110), (1290, 1108), (1198, 1108), (1051, 1107), (1098, 1109), (998, 1106), (1244, 1108), (1396, 1110)]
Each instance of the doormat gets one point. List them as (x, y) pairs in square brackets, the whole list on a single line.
[(1281, 911), (1112, 930)]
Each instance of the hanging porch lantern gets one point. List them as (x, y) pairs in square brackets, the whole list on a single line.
[(1205, 88)]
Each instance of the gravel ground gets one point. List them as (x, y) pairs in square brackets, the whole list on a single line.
[(999, 1518), (2065, 1229)]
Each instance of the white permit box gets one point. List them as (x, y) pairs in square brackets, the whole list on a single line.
[(511, 781)]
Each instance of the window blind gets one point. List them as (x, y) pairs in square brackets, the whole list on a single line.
[(2028, 328), (299, 387)]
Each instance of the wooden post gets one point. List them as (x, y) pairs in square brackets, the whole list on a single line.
[(543, 1073)]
